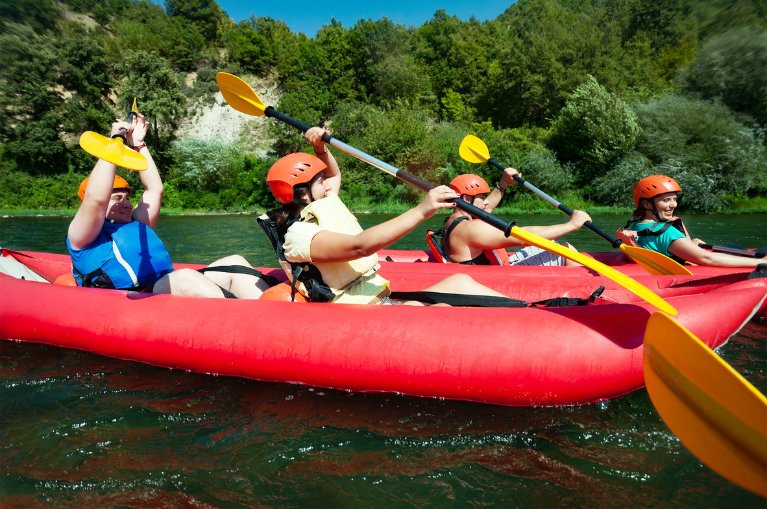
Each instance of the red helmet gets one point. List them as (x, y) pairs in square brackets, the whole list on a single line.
[(470, 184), (652, 186), (120, 183), (297, 168)]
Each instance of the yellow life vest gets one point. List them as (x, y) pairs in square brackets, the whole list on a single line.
[(353, 281)]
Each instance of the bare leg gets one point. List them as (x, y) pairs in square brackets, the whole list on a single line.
[(460, 284), (243, 286), (463, 284), (189, 283)]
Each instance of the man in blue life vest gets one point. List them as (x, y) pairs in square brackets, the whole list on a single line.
[(112, 244)]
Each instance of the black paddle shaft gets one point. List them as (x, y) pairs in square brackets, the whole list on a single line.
[(614, 242), (492, 220)]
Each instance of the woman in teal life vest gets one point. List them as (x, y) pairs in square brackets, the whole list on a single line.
[(654, 226), (471, 241), (325, 249), (112, 244)]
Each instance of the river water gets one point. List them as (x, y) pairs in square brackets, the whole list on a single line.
[(80, 430)]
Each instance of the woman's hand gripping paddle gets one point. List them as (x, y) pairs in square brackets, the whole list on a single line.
[(475, 151), (243, 98), (716, 413), (114, 149)]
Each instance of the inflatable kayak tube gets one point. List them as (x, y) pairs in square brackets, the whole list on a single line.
[(506, 356), (615, 259)]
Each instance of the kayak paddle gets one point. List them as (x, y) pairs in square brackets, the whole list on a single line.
[(715, 412), (114, 149), (243, 98), (759, 253), (475, 151)]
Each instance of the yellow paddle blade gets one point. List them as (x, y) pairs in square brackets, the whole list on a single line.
[(134, 108), (626, 282), (112, 150), (239, 95), (473, 150), (715, 412), (655, 263)]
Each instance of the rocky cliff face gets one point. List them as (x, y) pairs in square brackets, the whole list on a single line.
[(222, 123)]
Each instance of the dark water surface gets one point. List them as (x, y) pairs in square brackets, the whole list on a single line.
[(80, 430)]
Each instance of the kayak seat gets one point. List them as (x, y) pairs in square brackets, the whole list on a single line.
[(433, 239)]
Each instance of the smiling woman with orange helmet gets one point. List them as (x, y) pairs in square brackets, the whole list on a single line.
[(471, 241), (655, 227), (321, 245), (112, 244)]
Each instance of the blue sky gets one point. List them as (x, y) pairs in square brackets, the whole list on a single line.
[(308, 17)]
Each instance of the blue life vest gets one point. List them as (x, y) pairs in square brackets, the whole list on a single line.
[(123, 256)]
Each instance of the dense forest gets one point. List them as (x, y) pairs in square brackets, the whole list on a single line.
[(583, 96)]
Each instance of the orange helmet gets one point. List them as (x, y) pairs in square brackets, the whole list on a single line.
[(288, 171), (652, 186), (470, 184), (120, 183)]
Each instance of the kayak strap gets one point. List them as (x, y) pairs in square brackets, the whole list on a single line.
[(759, 272), (240, 269), (489, 301)]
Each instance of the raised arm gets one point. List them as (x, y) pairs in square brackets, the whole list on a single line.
[(496, 195), (333, 172), (147, 209), (89, 218)]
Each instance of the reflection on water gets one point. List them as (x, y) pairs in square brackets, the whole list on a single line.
[(82, 430)]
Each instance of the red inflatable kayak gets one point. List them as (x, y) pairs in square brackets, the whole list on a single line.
[(508, 356), (486, 274)]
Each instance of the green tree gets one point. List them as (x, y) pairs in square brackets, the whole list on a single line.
[(85, 75), (545, 51), (456, 55), (148, 28), (206, 15), (373, 43), (705, 143), (29, 102), (40, 15), (149, 78), (258, 44), (400, 77), (401, 135), (593, 130), (336, 62), (732, 67)]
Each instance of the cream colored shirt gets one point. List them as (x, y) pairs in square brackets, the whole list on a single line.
[(353, 282)]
